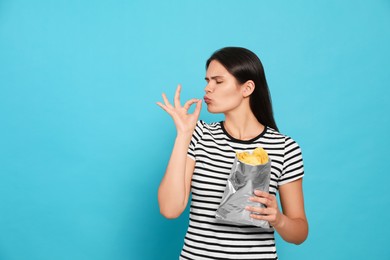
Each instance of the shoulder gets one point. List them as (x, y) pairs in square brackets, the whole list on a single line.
[(202, 127), (288, 142), (290, 155), (208, 126), (292, 152), (273, 134)]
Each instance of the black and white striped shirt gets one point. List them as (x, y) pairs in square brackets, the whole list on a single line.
[(213, 150)]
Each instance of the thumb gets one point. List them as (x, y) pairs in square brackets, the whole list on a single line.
[(198, 108)]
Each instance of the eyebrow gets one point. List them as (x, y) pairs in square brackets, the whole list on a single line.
[(214, 77)]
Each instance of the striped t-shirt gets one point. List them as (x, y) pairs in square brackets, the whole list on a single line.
[(213, 150)]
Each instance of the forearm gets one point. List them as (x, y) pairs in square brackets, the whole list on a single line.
[(172, 193), (292, 230)]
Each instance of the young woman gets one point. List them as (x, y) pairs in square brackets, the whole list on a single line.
[(203, 155)]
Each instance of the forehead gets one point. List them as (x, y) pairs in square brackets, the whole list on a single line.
[(216, 69)]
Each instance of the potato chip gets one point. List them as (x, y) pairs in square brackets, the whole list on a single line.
[(259, 156)]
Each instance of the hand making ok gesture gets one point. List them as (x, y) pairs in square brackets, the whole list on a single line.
[(185, 122)]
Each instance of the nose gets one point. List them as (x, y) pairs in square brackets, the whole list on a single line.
[(208, 88)]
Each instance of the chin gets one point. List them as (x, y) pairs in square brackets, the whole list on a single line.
[(214, 111)]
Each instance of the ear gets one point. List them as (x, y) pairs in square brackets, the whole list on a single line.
[(248, 88)]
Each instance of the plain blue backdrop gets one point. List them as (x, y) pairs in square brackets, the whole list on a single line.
[(83, 146)]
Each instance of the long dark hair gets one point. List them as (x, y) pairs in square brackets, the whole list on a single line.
[(244, 65)]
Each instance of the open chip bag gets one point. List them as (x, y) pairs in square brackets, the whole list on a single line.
[(249, 172)]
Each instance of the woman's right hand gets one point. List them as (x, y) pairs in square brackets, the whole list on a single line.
[(185, 123)]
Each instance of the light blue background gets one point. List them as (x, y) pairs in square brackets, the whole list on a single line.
[(83, 146)]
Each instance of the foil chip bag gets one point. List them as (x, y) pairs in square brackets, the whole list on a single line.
[(250, 172)]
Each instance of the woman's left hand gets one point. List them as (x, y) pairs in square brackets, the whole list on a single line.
[(270, 213)]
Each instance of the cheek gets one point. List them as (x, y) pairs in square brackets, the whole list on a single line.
[(229, 91), (231, 98), (225, 102), (225, 97)]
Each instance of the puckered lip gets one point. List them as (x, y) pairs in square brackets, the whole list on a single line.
[(207, 100)]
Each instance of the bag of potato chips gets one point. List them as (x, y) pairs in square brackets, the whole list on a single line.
[(249, 172)]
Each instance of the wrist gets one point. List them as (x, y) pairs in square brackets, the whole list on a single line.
[(184, 136), (280, 222)]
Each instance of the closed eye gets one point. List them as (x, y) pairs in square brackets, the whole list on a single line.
[(218, 79)]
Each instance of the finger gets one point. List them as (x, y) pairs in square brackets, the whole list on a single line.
[(177, 96), (269, 218), (162, 106), (263, 211), (189, 103), (255, 209), (261, 200), (266, 195), (256, 216), (261, 193), (166, 101), (198, 108)]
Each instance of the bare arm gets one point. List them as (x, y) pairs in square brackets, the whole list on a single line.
[(174, 189), (291, 224)]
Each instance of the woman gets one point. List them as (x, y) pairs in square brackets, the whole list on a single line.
[(203, 154)]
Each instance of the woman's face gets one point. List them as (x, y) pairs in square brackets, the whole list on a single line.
[(223, 92)]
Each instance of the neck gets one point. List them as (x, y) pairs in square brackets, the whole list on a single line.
[(242, 125)]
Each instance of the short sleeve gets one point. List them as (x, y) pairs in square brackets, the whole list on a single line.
[(196, 136), (293, 162)]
